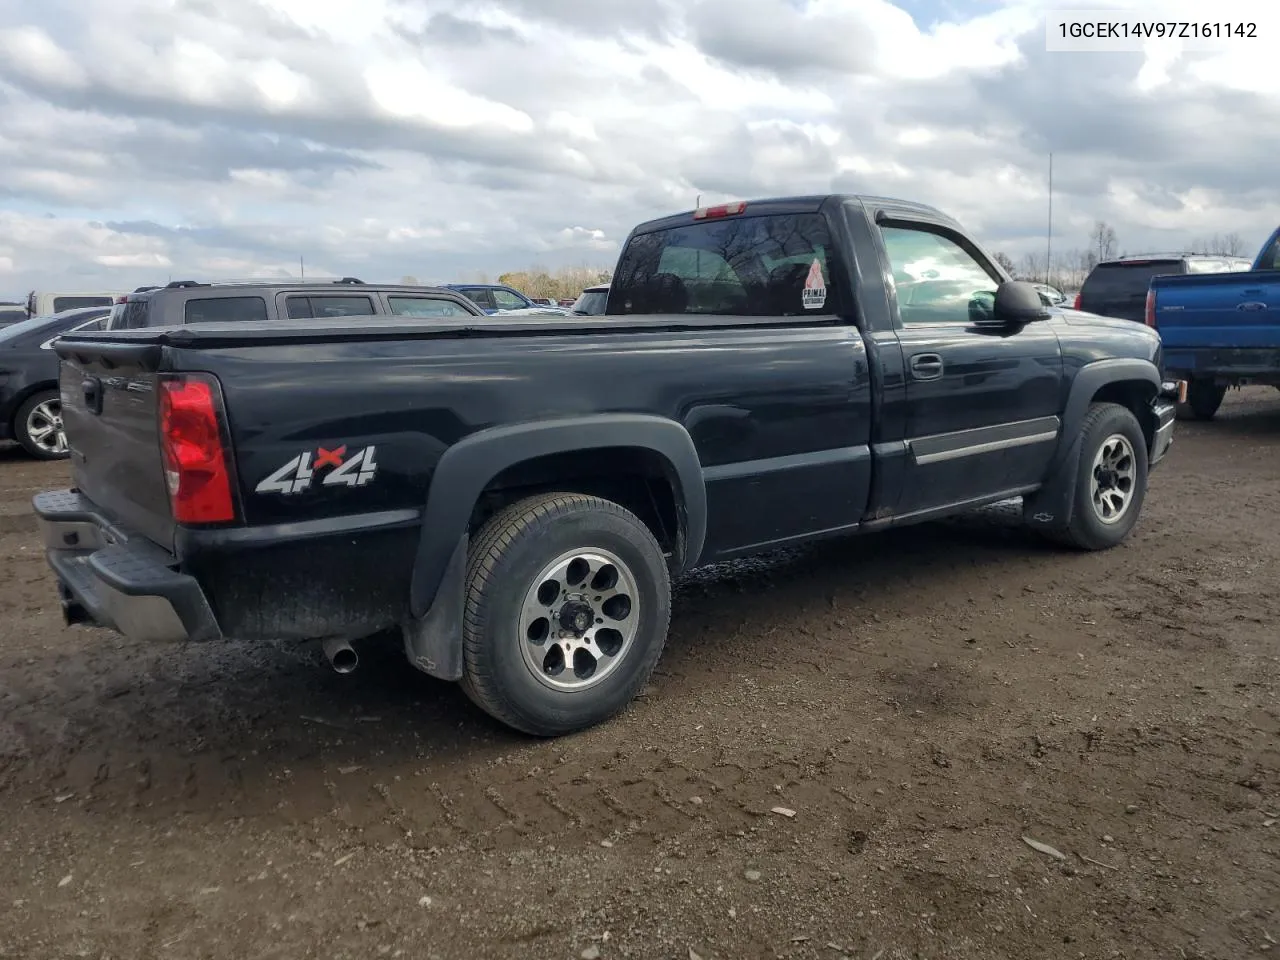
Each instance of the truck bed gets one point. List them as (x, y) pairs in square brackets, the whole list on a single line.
[(784, 401)]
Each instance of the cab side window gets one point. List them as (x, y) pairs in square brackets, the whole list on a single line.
[(937, 280), (323, 307)]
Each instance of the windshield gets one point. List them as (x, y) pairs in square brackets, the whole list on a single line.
[(591, 303)]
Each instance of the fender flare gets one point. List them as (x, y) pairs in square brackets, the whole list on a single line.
[(1091, 378), (468, 466), (1051, 506)]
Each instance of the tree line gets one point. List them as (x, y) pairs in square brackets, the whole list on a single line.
[(1070, 267)]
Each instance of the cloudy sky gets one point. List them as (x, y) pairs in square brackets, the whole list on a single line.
[(144, 139)]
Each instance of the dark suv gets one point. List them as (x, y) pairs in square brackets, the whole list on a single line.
[(1118, 288), (186, 301)]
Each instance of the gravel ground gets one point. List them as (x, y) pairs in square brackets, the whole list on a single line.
[(922, 701)]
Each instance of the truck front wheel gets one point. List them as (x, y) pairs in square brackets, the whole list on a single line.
[(567, 607), (1111, 479), (1204, 397)]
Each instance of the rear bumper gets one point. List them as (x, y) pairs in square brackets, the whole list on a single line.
[(1164, 410), (110, 579), (1224, 366)]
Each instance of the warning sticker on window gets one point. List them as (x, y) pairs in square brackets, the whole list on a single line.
[(814, 296)]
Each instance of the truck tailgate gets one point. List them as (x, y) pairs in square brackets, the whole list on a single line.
[(1227, 311), (109, 409)]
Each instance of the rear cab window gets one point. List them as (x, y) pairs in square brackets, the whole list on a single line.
[(225, 310), (771, 265)]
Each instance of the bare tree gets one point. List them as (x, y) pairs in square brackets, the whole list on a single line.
[(1005, 261), (1221, 244), (1033, 268), (1102, 240)]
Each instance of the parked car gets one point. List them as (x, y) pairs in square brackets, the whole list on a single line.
[(591, 301), (515, 497), (1220, 331), (30, 408), (1118, 288), (12, 313), (495, 298), (1051, 296), (283, 300)]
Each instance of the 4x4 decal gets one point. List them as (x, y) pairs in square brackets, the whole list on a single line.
[(300, 472)]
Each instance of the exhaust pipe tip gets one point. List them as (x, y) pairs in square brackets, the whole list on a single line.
[(74, 614), (342, 656), (73, 611)]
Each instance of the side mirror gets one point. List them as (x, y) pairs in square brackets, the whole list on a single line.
[(1018, 302)]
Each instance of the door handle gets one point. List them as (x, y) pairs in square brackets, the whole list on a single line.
[(926, 366), (1252, 305)]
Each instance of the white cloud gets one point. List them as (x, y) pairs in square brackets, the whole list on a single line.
[(397, 137)]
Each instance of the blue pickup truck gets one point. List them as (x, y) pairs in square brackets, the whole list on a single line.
[(1219, 330)]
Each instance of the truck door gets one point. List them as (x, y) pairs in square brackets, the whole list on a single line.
[(983, 404)]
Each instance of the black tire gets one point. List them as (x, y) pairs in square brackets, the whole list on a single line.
[(505, 564), (25, 418), (1087, 529), (1204, 397)]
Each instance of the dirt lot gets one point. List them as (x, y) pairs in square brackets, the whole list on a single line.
[(921, 700)]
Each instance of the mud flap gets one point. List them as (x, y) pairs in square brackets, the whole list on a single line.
[(1050, 507), (433, 642)]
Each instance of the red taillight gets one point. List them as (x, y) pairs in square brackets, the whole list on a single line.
[(195, 461), (123, 299), (723, 210), (1149, 315), (1076, 305)]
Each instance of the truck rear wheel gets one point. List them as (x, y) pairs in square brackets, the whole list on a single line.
[(1111, 480), (567, 607), (1204, 397)]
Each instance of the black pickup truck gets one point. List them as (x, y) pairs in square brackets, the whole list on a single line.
[(514, 495)]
